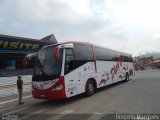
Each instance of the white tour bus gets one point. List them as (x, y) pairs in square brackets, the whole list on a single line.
[(67, 69)]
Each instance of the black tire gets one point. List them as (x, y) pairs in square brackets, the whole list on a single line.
[(90, 88), (127, 77)]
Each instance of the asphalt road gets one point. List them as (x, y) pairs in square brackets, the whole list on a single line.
[(138, 96)]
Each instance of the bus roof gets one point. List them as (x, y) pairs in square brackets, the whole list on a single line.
[(87, 43)]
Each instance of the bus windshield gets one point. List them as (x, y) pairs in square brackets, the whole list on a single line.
[(46, 66)]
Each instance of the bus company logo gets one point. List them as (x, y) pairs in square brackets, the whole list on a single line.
[(114, 70), (105, 78), (120, 67), (71, 89), (125, 67), (44, 85), (87, 68)]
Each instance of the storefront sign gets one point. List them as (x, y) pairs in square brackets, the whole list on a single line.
[(20, 45)]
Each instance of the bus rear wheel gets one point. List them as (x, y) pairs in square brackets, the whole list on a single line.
[(90, 88), (127, 77)]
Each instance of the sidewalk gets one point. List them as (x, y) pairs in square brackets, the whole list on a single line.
[(149, 70), (8, 85)]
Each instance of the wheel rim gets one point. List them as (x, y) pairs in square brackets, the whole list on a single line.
[(91, 88)]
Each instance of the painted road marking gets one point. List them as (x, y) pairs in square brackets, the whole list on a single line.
[(26, 117), (7, 108), (62, 114), (14, 111), (67, 112), (98, 113), (1, 103), (96, 116), (40, 111)]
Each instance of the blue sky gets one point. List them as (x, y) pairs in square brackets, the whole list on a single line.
[(127, 25)]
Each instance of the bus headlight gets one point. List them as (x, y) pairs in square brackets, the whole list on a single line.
[(57, 88)]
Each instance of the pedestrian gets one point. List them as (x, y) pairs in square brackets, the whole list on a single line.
[(20, 88)]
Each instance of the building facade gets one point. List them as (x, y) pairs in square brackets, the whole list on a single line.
[(13, 49)]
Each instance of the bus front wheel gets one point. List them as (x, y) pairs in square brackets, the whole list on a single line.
[(90, 88)]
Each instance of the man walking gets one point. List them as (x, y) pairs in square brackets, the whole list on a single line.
[(20, 89)]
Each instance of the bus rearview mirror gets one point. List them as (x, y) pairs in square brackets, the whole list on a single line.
[(56, 53)]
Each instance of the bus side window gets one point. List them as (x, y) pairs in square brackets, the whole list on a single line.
[(69, 61)]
